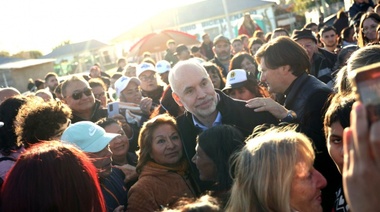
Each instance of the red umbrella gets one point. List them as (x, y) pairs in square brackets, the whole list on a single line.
[(156, 42)]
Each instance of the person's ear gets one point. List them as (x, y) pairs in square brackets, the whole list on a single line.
[(177, 99), (213, 49), (286, 69)]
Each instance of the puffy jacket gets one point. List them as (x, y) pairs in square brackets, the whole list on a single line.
[(157, 188)]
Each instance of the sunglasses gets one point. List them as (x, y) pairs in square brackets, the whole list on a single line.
[(79, 94)]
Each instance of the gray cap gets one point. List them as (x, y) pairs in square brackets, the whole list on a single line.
[(221, 38)]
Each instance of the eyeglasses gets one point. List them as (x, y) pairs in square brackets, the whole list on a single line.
[(372, 27), (147, 78), (79, 94)]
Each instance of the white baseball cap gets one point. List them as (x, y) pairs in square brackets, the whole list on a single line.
[(235, 79), (141, 68), (163, 66), (123, 82)]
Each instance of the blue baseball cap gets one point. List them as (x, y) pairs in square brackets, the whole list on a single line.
[(87, 136)]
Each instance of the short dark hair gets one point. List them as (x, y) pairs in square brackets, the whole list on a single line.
[(116, 76), (120, 60), (237, 40), (253, 41), (104, 122), (50, 74), (338, 111), (309, 25), (281, 30), (204, 35), (326, 29), (284, 51), (242, 37), (94, 82), (194, 49)]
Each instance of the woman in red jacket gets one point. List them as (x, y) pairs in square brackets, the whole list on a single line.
[(248, 26)]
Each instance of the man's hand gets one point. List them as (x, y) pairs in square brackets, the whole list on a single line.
[(267, 104)]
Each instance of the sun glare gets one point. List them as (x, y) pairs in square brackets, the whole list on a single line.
[(43, 24)]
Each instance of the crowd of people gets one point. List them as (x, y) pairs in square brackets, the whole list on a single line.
[(254, 123)]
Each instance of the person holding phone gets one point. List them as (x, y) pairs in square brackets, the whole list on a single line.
[(128, 91)]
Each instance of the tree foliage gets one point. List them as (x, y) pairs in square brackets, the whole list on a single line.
[(63, 43), (28, 54), (301, 6), (4, 54)]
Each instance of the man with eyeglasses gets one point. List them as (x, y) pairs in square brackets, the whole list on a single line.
[(78, 95), (146, 73)]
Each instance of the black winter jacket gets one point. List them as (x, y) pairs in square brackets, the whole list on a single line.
[(233, 113)]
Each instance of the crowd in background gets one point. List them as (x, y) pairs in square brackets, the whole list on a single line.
[(260, 122)]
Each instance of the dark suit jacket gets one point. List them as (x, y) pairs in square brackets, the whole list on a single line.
[(233, 113)]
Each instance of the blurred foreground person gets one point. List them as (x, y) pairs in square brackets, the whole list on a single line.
[(361, 167), (205, 203), (59, 176), (212, 157), (284, 64), (274, 172)]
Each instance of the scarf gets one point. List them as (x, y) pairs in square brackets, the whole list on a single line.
[(180, 169)]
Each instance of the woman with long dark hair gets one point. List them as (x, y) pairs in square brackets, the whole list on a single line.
[(212, 157)]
